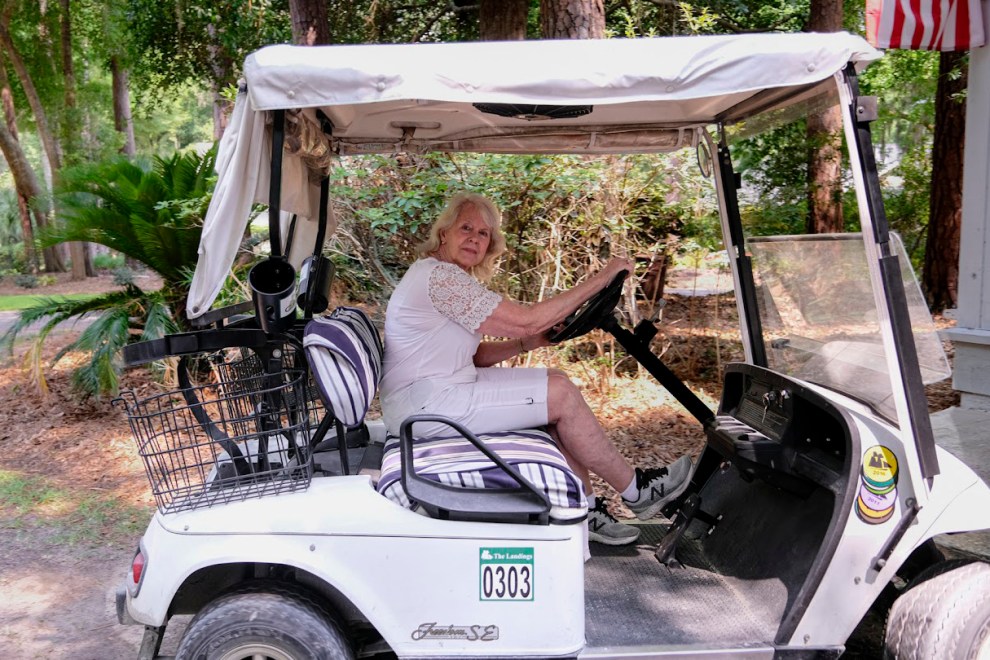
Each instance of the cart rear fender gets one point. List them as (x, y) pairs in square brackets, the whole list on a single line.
[(344, 540)]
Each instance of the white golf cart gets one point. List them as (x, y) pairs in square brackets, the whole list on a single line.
[(286, 524)]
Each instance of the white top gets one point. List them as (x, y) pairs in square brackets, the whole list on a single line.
[(431, 335)]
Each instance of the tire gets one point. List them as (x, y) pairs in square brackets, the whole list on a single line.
[(277, 623), (946, 615)]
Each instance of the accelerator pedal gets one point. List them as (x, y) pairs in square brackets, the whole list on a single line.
[(689, 511)]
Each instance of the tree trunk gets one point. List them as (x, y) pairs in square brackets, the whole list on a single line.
[(26, 184), (503, 20), (940, 276), (122, 119), (572, 19), (82, 264), (825, 141), (310, 22), (10, 118), (34, 100)]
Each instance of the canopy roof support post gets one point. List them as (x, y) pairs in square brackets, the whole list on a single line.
[(910, 399), (275, 188), (727, 183)]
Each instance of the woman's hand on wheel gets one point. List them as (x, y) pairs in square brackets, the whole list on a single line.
[(614, 266)]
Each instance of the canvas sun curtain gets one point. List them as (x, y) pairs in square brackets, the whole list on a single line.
[(925, 24)]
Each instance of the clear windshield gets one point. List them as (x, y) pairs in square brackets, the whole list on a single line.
[(820, 320)]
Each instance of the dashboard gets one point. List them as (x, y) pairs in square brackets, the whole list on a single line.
[(778, 430)]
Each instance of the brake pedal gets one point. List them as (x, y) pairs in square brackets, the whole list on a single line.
[(690, 508)]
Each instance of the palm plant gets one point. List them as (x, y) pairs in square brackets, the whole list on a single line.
[(153, 216)]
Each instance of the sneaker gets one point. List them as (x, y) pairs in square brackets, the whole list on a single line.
[(659, 486), (604, 528)]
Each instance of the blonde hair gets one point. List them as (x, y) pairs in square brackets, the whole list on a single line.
[(448, 216)]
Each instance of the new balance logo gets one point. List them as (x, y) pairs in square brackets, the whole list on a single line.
[(596, 525), (653, 492)]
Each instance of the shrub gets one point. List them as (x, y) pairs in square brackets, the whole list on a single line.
[(122, 276), (26, 280), (108, 261), (47, 280)]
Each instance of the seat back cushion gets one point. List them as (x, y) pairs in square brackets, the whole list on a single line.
[(454, 461), (344, 353)]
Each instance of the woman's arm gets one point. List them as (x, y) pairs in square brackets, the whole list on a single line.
[(511, 319), (493, 352)]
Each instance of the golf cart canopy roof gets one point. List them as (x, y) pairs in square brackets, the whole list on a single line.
[(606, 96), (565, 96)]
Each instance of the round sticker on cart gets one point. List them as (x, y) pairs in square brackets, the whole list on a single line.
[(875, 502), (878, 491), (870, 516), (879, 467)]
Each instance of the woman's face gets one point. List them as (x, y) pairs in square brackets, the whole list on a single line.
[(466, 242)]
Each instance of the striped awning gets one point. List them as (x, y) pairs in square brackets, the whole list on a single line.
[(925, 24)]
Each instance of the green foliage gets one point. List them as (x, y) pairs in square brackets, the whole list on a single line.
[(204, 42), (153, 216), (26, 280), (120, 317), (603, 205), (108, 261)]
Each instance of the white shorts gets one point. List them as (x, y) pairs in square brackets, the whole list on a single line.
[(502, 399)]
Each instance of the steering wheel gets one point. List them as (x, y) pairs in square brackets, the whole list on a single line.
[(591, 313)]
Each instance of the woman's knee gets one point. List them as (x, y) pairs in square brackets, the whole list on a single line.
[(562, 394)]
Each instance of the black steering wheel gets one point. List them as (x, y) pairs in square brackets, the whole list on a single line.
[(591, 313)]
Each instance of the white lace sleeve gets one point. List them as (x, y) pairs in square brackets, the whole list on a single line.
[(461, 298)]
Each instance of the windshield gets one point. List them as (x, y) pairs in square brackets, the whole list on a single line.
[(820, 320)]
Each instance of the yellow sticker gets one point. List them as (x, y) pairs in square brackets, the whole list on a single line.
[(879, 467), (870, 516)]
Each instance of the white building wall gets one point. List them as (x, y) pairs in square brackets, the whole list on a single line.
[(971, 336)]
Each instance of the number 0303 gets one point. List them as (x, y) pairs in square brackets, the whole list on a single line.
[(506, 582)]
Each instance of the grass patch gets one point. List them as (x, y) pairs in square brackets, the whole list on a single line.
[(71, 515), (23, 301)]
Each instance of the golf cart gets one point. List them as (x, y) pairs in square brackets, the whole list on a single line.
[(291, 527)]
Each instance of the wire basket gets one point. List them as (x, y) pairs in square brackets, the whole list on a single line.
[(233, 366), (233, 440)]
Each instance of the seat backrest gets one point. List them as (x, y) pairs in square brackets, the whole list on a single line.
[(344, 352)]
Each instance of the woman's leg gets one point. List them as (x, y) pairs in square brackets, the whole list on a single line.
[(580, 436)]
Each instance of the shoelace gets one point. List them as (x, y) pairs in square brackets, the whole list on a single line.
[(602, 508), (644, 477)]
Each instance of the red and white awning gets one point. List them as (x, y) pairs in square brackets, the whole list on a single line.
[(925, 24)]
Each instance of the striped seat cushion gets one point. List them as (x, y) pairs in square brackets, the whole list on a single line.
[(454, 461), (344, 353)]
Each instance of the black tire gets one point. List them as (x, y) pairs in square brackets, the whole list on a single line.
[(277, 623), (946, 615)]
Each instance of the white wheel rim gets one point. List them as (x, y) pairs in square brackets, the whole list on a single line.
[(256, 651)]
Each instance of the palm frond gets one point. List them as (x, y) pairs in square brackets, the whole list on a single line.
[(56, 309), (158, 321), (104, 339)]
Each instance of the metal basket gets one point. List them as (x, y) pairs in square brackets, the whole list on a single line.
[(232, 440), (232, 366)]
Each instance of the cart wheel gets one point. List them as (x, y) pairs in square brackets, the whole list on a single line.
[(277, 624), (945, 616)]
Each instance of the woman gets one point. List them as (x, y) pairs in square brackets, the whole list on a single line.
[(435, 362)]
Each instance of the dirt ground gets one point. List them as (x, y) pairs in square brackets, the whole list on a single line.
[(75, 498)]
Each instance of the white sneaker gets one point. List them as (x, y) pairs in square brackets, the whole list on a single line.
[(659, 486), (604, 528)]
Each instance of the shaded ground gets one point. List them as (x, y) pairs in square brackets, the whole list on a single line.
[(74, 499)]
